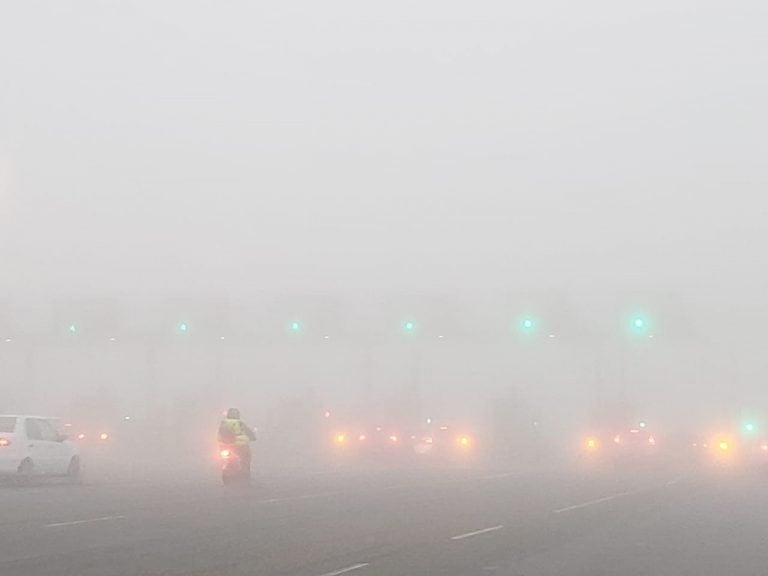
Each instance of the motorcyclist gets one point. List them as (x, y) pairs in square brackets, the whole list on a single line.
[(237, 435)]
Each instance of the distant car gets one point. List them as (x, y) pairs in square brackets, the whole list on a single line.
[(444, 442), (635, 441), (33, 446), (376, 443), (633, 445), (92, 436)]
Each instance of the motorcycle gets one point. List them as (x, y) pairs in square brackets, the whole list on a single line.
[(233, 469)]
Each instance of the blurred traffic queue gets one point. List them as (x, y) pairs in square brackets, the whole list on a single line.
[(382, 443)]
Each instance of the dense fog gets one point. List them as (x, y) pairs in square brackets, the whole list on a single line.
[(249, 166), (537, 224)]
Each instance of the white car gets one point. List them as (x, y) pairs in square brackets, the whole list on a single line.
[(32, 446)]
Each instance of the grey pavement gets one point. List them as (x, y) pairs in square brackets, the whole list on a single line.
[(399, 522)]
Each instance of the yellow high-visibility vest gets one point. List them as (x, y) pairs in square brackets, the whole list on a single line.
[(237, 429)]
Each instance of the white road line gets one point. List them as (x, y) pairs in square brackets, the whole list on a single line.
[(88, 521), (612, 497), (593, 502), (477, 532), (300, 497), (347, 569)]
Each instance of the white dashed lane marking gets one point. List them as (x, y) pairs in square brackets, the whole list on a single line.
[(88, 521), (477, 532), (347, 569)]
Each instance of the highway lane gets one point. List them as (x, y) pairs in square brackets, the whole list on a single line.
[(389, 522)]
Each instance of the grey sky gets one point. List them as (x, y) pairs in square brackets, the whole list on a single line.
[(201, 147)]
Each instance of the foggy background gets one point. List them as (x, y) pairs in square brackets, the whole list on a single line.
[(350, 168)]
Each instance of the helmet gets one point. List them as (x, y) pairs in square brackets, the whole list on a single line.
[(233, 414)]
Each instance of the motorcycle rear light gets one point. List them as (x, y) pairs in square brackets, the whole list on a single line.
[(4, 442)]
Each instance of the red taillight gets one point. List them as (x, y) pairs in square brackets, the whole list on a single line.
[(225, 453), (81, 436), (393, 438), (362, 437), (4, 442)]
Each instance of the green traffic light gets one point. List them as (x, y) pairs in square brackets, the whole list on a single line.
[(409, 326), (72, 328), (639, 324), (183, 327), (750, 427), (295, 326), (527, 324)]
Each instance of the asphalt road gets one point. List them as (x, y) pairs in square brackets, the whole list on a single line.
[(378, 522)]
